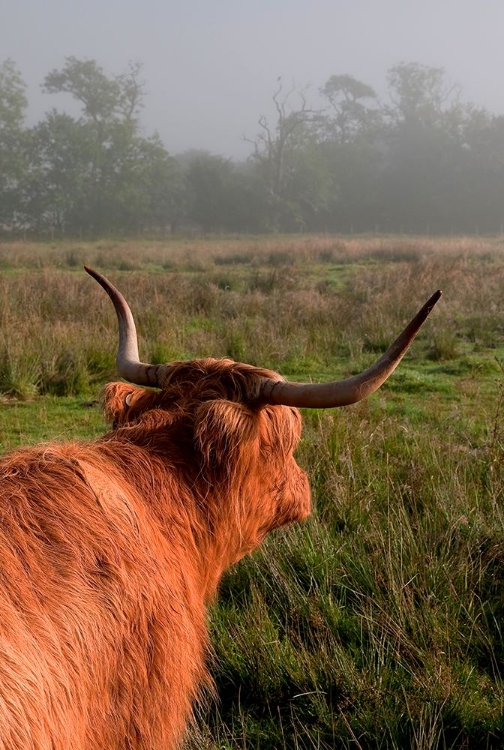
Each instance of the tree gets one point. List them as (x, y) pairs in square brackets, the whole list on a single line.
[(110, 108), (105, 100), (424, 149), (351, 137), (276, 149), (56, 186), (350, 115), (98, 173), (219, 194), (12, 166), (148, 190), (480, 196), (421, 95)]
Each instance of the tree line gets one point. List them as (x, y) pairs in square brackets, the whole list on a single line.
[(423, 161)]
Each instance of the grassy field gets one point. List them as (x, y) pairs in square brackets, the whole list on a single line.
[(377, 624)]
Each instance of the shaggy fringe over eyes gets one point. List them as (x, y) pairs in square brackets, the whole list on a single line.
[(224, 431), (221, 431), (281, 429), (213, 400)]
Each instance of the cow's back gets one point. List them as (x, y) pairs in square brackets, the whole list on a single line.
[(98, 621)]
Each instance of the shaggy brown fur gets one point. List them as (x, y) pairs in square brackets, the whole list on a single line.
[(109, 551)]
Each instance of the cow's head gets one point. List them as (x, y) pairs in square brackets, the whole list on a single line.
[(231, 427), (234, 455)]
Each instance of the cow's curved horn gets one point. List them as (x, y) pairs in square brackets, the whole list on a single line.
[(128, 362), (344, 392)]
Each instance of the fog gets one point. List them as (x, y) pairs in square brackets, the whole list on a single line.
[(211, 67)]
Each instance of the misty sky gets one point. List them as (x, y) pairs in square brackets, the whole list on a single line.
[(212, 65)]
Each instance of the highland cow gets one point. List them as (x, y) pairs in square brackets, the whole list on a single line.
[(110, 550)]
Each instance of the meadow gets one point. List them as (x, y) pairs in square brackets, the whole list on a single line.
[(378, 623)]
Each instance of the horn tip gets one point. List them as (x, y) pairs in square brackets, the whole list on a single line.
[(102, 281), (435, 297)]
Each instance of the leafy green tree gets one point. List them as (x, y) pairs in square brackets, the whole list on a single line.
[(308, 188), (104, 175), (351, 136), (349, 116), (13, 104), (147, 189), (355, 174), (424, 149), (105, 101), (421, 95), (219, 195), (110, 107), (56, 186), (480, 198)]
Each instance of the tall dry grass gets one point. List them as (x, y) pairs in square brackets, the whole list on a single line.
[(300, 306)]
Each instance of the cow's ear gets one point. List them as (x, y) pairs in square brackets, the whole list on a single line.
[(118, 401), (226, 435)]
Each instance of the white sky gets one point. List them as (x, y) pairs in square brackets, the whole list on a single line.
[(211, 66)]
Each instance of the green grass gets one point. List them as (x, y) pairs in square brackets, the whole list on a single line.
[(48, 418), (378, 623)]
